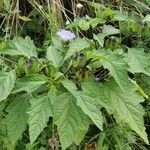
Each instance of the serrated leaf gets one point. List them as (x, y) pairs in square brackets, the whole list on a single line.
[(55, 55), (7, 82), (138, 61), (79, 136), (89, 105), (20, 46), (114, 64), (126, 107), (69, 119), (29, 83), (95, 91), (17, 118), (126, 104), (77, 45), (91, 108), (39, 114)]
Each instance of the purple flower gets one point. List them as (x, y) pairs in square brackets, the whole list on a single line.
[(66, 35)]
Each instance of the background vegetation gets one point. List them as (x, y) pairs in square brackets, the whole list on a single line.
[(91, 92)]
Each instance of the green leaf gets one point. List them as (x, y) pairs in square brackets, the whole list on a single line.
[(20, 46), (91, 108), (119, 16), (17, 118), (126, 106), (39, 114), (110, 30), (146, 18), (73, 24), (2, 106), (7, 4), (96, 91), (77, 45), (29, 83), (7, 82), (107, 30), (114, 64), (95, 5), (55, 55), (84, 25), (100, 38), (89, 105), (138, 60), (95, 21), (79, 136), (69, 119), (3, 46), (57, 43), (107, 12)]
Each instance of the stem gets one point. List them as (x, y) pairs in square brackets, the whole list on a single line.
[(11, 61)]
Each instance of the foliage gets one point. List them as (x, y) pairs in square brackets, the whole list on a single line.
[(52, 91)]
